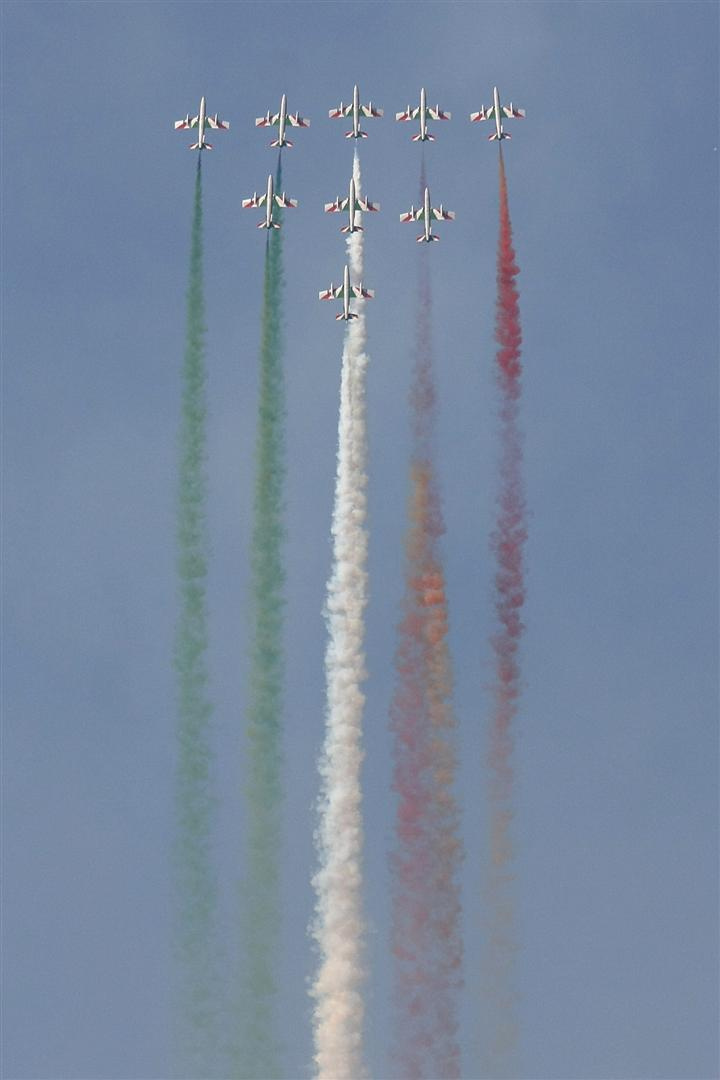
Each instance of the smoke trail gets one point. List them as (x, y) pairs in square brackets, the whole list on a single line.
[(195, 877), (339, 925), (426, 904), (258, 1054), (508, 540)]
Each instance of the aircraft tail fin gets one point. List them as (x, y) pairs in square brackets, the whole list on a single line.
[(352, 135), (503, 135), (264, 225), (347, 229), (201, 145), (285, 142), (422, 237)]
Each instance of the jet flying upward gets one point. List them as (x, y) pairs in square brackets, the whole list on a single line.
[(346, 292), (423, 110), (355, 110), (495, 112), (426, 213), (199, 122), (269, 200), (281, 120), (352, 204)]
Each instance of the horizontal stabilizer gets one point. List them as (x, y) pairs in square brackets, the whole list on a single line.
[(201, 145), (422, 237), (352, 135), (347, 229)]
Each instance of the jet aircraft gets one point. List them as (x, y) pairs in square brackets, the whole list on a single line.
[(269, 200), (426, 213), (346, 292), (354, 110), (281, 120), (199, 122), (352, 204), (423, 110), (495, 112)]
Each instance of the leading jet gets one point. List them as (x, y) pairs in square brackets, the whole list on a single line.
[(354, 110), (426, 213), (269, 200), (423, 110), (281, 120), (199, 122), (346, 292), (496, 112), (353, 203)]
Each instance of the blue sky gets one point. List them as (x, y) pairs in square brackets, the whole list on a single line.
[(613, 195)]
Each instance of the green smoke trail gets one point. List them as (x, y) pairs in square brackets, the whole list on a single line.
[(259, 1053), (196, 890)]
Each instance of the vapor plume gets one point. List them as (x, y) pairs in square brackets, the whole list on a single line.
[(258, 1054), (508, 541), (339, 924), (426, 901), (196, 888)]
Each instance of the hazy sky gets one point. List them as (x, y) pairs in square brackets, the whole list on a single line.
[(613, 195)]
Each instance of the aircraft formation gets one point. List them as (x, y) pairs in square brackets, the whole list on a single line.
[(352, 203)]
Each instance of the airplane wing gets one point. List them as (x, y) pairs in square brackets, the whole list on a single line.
[(333, 293), (342, 110), (370, 110), (284, 200), (438, 114), (337, 206), (366, 205), (440, 214), (484, 114), (296, 120), (255, 200), (413, 215), (217, 125), (188, 122), (361, 292), (513, 111), (267, 120), (408, 114)]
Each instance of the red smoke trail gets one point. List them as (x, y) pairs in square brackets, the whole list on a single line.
[(507, 541), (426, 905)]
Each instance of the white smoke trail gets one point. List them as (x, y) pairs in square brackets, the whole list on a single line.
[(339, 925)]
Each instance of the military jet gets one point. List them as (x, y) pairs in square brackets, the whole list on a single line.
[(346, 292), (199, 122), (496, 112), (281, 120), (423, 110), (354, 110), (269, 200), (352, 203), (426, 213)]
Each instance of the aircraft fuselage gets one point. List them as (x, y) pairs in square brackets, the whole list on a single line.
[(498, 113)]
